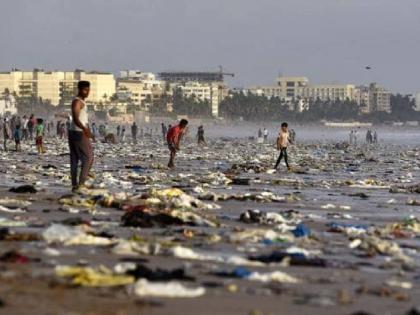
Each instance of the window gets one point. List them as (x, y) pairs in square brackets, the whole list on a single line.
[(290, 84)]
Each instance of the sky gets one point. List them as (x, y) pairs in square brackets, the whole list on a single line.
[(329, 41)]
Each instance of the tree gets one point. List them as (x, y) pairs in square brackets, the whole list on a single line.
[(160, 105), (402, 107), (191, 106), (261, 108)]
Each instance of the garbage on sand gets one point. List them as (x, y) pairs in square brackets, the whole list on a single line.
[(172, 289), (91, 277)]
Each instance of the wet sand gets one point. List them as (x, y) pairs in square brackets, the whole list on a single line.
[(326, 187)]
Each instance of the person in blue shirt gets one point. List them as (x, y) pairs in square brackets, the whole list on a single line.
[(17, 135)]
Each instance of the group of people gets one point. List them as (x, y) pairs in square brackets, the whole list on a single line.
[(19, 129), (121, 132), (262, 135), (80, 136), (371, 137)]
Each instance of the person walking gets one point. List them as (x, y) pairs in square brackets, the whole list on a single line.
[(134, 131), (17, 135), (265, 132), (200, 136), (6, 133), (25, 133), (39, 135), (164, 131), (123, 134), (283, 141), (31, 126)]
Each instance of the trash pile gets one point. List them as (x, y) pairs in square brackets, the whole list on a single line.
[(342, 227)]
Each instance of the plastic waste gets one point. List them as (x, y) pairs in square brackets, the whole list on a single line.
[(58, 233), (275, 276), (90, 277), (172, 289)]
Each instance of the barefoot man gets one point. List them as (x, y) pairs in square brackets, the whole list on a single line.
[(283, 141), (79, 137)]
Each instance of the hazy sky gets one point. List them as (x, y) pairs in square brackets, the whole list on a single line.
[(326, 40)]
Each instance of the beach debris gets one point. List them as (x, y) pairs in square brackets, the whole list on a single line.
[(172, 289), (24, 189), (58, 233), (275, 276), (93, 277)]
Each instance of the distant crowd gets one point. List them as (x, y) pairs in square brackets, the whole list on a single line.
[(17, 129), (371, 137)]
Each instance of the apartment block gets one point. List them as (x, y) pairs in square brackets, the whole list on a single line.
[(373, 98), (289, 88), (57, 87), (142, 88)]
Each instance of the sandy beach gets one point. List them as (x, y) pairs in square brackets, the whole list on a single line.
[(338, 235)]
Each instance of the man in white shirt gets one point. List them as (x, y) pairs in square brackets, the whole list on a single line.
[(25, 133)]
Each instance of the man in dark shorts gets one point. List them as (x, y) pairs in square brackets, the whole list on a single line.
[(79, 137), (173, 138)]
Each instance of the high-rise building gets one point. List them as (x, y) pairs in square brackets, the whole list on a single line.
[(57, 87), (373, 98)]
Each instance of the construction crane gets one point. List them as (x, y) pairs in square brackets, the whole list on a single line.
[(225, 73)]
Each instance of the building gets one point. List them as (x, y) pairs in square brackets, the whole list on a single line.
[(140, 88), (327, 92), (295, 88), (291, 87), (204, 85), (57, 87), (213, 92), (417, 108), (285, 88), (102, 86), (373, 98)]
